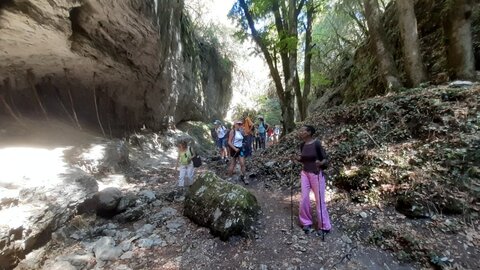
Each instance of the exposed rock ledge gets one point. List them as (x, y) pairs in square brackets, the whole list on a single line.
[(116, 65)]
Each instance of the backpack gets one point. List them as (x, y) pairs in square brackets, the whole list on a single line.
[(262, 128), (197, 161), (321, 155)]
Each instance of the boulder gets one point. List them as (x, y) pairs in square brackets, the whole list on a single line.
[(147, 196), (106, 250), (126, 202), (132, 214), (45, 203), (227, 209), (107, 201)]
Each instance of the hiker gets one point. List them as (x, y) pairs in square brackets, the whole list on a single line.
[(237, 152), (248, 130), (276, 134), (184, 159), (262, 131), (256, 142), (222, 135), (270, 136), (314, 159)]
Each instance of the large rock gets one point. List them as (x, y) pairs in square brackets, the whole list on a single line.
[(111, 65), (47, 199), (227, 209), (107, 201), (106, 250)]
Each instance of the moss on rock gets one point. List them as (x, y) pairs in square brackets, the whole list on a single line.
[(227, 209)]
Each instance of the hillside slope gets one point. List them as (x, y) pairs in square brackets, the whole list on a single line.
[(417, 152)]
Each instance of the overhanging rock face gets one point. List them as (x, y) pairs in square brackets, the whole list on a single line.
[(112, 65)]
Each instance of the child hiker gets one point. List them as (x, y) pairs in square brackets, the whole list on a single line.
[(314, 160), (185, 155)]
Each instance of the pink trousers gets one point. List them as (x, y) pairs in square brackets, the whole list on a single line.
[(316, 183)]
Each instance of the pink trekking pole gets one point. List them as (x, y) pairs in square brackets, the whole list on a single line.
[(321, 208)]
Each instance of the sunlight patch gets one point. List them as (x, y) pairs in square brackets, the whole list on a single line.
[(31, 167)]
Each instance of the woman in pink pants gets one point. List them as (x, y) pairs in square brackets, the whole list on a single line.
[(314, 159)]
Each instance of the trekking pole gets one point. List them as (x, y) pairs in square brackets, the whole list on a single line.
[(291, 201), (321, 207)]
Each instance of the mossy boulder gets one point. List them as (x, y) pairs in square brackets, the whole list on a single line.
[(227, 209)]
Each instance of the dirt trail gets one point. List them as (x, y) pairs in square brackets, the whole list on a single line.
[(276, 245)]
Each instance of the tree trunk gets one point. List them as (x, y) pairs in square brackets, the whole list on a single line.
[(307, 68), (284, 95), (385, 60), (411, 45), (294, 81), (457, 26), (288, 114)]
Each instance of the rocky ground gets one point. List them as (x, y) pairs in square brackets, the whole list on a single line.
[(164, 239), (154, 234), (370, 229)]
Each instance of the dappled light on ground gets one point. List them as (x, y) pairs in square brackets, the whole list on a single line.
[(31, 167)]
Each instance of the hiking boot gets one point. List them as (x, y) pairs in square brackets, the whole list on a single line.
[(245, 181), (322, 232), (307, 229)]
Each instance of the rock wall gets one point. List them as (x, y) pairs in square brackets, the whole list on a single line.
[(360, 80), (111, 65)]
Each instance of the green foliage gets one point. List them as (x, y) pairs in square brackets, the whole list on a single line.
[(337, 33), (320, 79), (267, 106), (240, 109), (270, 108)]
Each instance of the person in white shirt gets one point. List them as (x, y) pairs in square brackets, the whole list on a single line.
[(237, 150), (222, 139)]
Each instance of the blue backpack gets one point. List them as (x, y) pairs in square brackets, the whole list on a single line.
[(262, 128)]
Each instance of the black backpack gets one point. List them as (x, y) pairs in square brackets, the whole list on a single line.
[(197, 161), (321, 154)]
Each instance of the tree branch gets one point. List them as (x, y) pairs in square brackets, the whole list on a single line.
[(256, 37)]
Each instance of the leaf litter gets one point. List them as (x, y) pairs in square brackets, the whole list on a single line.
[(410, 162)]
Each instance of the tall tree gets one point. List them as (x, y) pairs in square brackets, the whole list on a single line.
[(384, 57), (307, 67), (279, 47), (411, 45), (457, 26)]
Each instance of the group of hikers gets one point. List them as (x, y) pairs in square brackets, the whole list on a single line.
[(237, 143), (240, 141), (257, 135)]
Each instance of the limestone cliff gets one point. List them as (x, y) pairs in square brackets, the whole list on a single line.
[(111, 65)]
